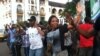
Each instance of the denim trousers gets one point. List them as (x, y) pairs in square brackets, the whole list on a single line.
[(13, 49), (26, 51), (36, 52), (96, 51), (85, 51), (18, 50)]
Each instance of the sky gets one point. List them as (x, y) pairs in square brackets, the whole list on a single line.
[(61, 1)]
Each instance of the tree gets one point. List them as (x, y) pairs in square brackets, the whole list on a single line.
[(70, 7)]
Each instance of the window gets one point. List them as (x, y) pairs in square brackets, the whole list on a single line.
[(19, 9), (32, 1), (9, 0), (42, 12), (28, 1), (42, 2), (1, 0), (60, 11), (49, 9), (19, 13), (18, 0), (53, 11), (19, 18), (5, 0), (42, 9), (32, 8)]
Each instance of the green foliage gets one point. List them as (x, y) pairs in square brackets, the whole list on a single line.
[(43, 22), (71, 8)]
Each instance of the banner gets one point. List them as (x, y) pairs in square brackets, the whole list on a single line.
[(95, 8)]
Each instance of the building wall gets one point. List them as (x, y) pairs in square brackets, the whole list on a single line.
[(48, 10), (9, 10)]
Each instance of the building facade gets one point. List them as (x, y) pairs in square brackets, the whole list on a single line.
[(48, 8), (13, 11)]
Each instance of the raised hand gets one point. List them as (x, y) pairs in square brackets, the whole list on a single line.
[(79, 8)]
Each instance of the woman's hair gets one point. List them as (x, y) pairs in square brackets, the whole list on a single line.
[(49, 21), (97, 24), (50, 18)]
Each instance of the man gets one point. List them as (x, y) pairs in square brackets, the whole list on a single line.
[(35, 38), (85, 38)]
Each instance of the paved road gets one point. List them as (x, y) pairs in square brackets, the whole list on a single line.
[(4, 50)]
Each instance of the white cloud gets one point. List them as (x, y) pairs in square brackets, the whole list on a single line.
[(61, 1)]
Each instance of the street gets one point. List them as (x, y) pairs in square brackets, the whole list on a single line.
[(4, 50)]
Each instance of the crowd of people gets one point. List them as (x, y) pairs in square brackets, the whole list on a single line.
[(73, 38)]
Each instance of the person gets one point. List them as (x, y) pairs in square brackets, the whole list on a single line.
[(11, 36), (25, 39), (71, 40), (85, 39), (96, 46), (68, 42), (68, 35), (35, 38), (55, 36), (7, 27), (18, 40)]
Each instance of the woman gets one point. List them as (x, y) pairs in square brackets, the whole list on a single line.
[(25, 40), (18, 41), (11, 36), (55, 36), (7, 27)]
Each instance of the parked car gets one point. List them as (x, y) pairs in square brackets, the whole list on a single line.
[(2, 35)]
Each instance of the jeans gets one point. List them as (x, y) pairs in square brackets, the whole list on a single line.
[(13, 49), (54, 54), (26, 51), (18, 50), (85, 51), (36, 52), (96, 51), (8, 42), (69, 49)]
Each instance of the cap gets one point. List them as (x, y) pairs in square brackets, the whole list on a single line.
[(32, 18)]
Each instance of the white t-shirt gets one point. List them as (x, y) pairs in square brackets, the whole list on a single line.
[(35, 38)]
